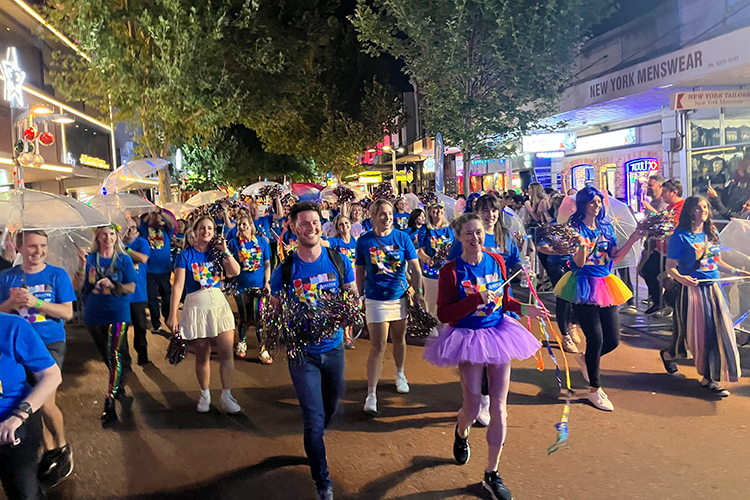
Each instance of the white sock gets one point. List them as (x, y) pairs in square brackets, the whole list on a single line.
[(206, 392), (371, 391), (226, 392), (400, 372)]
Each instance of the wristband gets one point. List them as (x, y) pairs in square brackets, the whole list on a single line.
[(117, 290), (128, 250), (418, 290), (39, 303), (227, 253), (735, 271)]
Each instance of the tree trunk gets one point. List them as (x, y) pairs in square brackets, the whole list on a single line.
[(165, 186), (467, 172)]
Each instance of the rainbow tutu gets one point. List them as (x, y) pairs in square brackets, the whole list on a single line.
[(603, 291)]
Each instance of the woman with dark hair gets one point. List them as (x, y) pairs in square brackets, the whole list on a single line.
[(433, 240), (592, 288), (206, 314), (480, 337), (702, 318), (417, 221)]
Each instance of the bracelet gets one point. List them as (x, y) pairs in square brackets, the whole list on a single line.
[(227, 253), (39, 303), (81, 269), (735, 271), (128, 250), (418, 290)]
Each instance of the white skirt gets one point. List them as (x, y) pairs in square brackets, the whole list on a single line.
[(205, 315), (430, 295), (383, 311)]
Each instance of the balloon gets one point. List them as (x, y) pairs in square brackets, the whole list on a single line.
[(567, 208), (29, 134)]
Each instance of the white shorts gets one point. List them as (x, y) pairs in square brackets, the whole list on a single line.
[(383, 311), (205, 315)]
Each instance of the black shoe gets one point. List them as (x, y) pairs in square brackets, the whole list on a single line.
[(143, 360), (58, 467), (120, 393), (653, 309), (461, 448), (109, 414), (494, 484), (669, 364)]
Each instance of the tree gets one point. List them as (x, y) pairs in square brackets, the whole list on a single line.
[(487, 70), (164, 65)]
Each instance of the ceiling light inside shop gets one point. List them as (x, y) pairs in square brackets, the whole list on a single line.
[(41, 109), (63, 119)]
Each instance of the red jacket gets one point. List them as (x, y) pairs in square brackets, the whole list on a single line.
[(451, 310)]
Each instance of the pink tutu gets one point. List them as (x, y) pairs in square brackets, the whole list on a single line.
[(495, 345)]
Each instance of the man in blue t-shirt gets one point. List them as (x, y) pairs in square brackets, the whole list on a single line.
[(157, 229), (318, 378), (43, 295), (139, 250), (22, 351)]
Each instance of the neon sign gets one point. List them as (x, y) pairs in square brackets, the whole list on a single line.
[(14, 78), (642, 165)]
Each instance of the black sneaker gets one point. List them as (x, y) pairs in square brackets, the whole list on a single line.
[(653, 309), (59, 467), (461, 448), (109, 415), (494, 484)]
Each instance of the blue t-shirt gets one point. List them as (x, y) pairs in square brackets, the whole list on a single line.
[(140, 245), (262, 225), (348, 250), (51, 284), (308, 280), (20, 349), (599, 251), (430, 240), (511, 255), (252, 256), (486, 275), (385, 263), (160, 243), (232, 233), (101, 307), (367, 224), (199, 270), (414, 234), (401, 221), (686, 248)]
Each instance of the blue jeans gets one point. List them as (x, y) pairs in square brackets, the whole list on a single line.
[(318, 380)]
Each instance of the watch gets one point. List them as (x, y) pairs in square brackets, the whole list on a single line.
[(23, 407)]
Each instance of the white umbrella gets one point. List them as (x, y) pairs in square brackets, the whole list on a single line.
[(450, 204), (118, 207), (181, 210), (206, 197), (137, 172), (30, 209), (254, 189), (412, 200), (327, 194), (624, 224), (735, 243)]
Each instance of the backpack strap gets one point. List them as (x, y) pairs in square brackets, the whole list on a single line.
[(286, 271), (336, 258)]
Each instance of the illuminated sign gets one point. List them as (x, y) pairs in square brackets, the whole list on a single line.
[(93, 161), (551, 154), (558, 141), (642, 165), (370, 179), (14, 78), (429, 165), (618, 138)]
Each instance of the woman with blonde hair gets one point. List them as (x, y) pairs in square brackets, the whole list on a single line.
[(206, 314), (107, 276), (434, 243), (344, 243)]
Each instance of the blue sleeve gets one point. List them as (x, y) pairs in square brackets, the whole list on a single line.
[(28, 348), (4, 286), (234, 247), (276, 284), (514, 254), (143, 247), (182, 260), (456, 249), (265, 249), (422, 239), (360, 251), (410, 253), (64, 291), (128, 270), (143, 229), (676, 246)]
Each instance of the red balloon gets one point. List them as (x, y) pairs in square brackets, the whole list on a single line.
[(47, 138), (29, 134)]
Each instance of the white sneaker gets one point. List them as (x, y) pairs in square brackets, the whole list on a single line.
[(402, 385), (484, 412), (204, 402), (600, 400), (582, 364), (568, 345), (229, 404), (371, 404)]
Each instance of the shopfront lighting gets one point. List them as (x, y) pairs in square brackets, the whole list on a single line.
[(400, 150), (57, 168), (41, 110), (372, 150), (386, 148), (63, 119), (715, 150)]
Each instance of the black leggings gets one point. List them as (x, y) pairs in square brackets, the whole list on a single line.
[(557, 270), (19, 464), (601, 328), (247, 304)]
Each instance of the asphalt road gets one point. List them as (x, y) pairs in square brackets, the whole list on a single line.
[(666, 439)]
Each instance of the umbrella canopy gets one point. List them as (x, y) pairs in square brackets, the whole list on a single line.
[(30, 209), (136, 173), (412, 201), (306, 191), (206, 197), (180, 210), (735, 243), (327, 194), (450, 204), (624, 224), (254, 189), (118, 207)]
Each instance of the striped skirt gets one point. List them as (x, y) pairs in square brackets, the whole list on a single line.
[(704, 321)]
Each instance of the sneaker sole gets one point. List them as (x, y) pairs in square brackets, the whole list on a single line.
[(492, 493), (200, 410), (402, 391), (70, 471), (468, 457)]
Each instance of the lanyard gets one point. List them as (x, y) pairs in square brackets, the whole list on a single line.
[(110, 268)]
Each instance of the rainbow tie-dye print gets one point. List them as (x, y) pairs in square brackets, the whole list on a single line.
[(251, 256), (480, 284), (203, 273), (155, 238)]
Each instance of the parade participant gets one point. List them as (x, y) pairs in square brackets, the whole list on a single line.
[(702, 317), (346, 245), (206, 314), (43, 295), (592, 288), (318, 377), (252, 252), (21, 352), (433, 240), (401, 214), (383, 256), (416, 223), (139, 250), (107, 277), (480, 336), (157, 228), (356, 213)]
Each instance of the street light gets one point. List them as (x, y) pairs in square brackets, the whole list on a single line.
[(388, 149)]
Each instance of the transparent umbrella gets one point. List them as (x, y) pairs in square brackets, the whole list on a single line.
[(206, 197), (450, 204), (181, 210), (624, 224), (327, 194), (30, 209), (134, 173), (118, 207), (254, 189)]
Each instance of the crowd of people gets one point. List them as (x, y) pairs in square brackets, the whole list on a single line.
[(460, 269)]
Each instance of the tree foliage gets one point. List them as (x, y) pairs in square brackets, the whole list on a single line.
[(486, 70)]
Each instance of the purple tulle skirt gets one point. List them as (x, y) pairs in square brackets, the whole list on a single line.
[(495, 345)]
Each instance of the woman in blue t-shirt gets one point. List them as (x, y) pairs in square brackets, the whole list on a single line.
[(416, 224), (434, 245), (206, 314), (401, 214), (107, 276), (253, 253), (344, 243), (480, 336), (703, 320), (383, 256)]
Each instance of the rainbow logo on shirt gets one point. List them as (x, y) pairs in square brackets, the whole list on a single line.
[(707, 264), (204, 274), (251, 256), (480, 284), (155, 238), (32, 314), (597, 255), (386, 264), (309, 289), (402, 222), (348, 253)]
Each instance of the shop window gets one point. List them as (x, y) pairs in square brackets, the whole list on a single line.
[(736, 126), (705, 128)]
